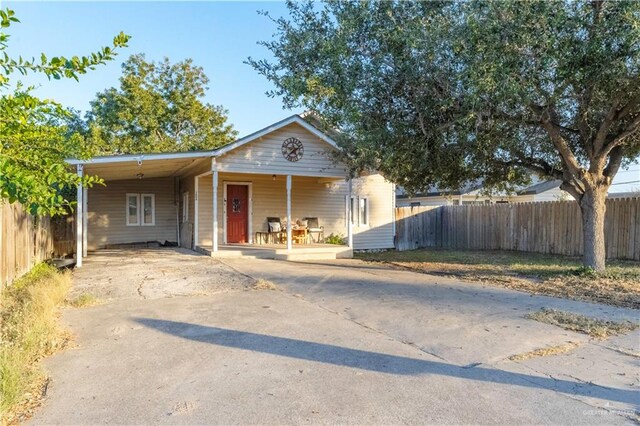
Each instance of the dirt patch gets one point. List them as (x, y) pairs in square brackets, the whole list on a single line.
[(592, 326), (548, 351), (262, 284), (83, 300)]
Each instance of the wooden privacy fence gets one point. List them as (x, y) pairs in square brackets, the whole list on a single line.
[(26, 240), (543, 227)]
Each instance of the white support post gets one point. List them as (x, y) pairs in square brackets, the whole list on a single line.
[(289, 244), (214, 236), (85, 220), (349, 214), (195, 213), (79, 220)]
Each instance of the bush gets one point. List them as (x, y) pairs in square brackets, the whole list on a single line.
[(335, 239), (29, 331)]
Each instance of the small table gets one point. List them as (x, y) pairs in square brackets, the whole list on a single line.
[(299, 236)]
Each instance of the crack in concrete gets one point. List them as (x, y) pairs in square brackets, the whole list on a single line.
[(579, 382), (139, 288), (363, 325)]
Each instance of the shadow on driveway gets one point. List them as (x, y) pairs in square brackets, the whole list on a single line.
[(375, 361)]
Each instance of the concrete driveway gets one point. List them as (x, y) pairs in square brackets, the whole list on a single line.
[(338, 342)]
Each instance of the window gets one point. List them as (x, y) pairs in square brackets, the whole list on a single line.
[(363, 211), (359, 211), (185, 207), (415, 204), (133, 207), (352, 209), (141, 210), (148, 209)]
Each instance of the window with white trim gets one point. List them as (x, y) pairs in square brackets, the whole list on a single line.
[(185, 207), (141, 210), (359, 211), (148, 209), (363, 211), (133, 209)]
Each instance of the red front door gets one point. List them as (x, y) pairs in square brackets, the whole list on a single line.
[(237, 213)]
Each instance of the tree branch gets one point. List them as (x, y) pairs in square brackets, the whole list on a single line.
[(603, 130), (615, 160), (632, 128), (560, 143)]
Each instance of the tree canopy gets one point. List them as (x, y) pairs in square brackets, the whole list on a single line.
[(34, 138), (158, 107), (442, 93)]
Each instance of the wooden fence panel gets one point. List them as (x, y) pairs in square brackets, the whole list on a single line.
[(544, 227), (24, 241)]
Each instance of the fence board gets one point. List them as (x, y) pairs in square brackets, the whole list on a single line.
[(26, 240), (543, 227)]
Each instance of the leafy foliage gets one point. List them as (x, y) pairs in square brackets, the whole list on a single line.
[(444, 93), (158, 108), (34, 136)]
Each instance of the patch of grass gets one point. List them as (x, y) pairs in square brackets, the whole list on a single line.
[(552, 275), (29, 331), (263, 284), (548, 351), (83, 300), (592, 326)]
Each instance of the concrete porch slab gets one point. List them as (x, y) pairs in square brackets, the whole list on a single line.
[(279, 252)]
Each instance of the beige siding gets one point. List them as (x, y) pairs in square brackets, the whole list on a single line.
[(265, 156), (379, 233), (187, 184), (107, 213), (309, 197)]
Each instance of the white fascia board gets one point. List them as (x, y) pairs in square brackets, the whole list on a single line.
[(139, 157)]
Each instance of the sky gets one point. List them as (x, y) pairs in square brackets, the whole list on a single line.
[(218, 36)]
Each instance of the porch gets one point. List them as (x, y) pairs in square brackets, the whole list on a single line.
[(279, 251), (233, 212)]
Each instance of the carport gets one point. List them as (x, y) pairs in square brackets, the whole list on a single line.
[(147, 178)]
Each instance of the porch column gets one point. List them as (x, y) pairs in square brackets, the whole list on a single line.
[(214, 232), (289, 245), (79, 219), (196, 219), (85, 220), (349, 214)]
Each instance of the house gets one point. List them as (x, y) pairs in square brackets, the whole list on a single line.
[(472, 194), (218, 201)]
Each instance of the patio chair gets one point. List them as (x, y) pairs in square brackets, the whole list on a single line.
[(315, 228), (275, 230)]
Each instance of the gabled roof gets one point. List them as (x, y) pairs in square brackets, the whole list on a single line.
[(280, 124), (539, 188), (210, 153), (473, 187)]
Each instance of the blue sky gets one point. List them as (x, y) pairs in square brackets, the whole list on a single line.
[(218, 36)]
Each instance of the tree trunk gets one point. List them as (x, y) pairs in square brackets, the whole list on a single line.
[(593, 208)]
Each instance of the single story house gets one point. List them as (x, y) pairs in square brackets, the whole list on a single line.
[(218, 201), (472, 194)]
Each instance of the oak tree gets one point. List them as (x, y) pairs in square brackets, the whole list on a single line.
[(443, 93)]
